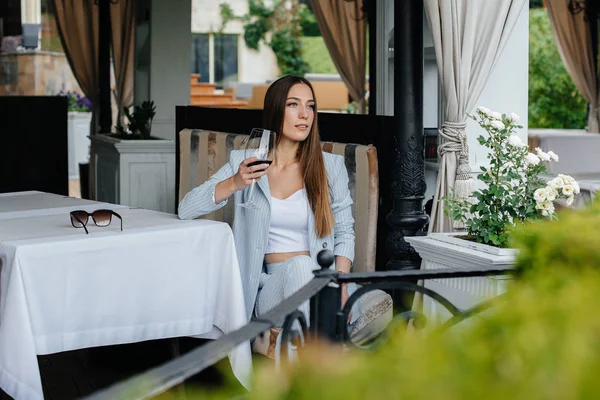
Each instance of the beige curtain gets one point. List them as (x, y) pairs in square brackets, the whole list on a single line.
[(468, 37), (574, 40), (77, 22), (344, 30), (122, 19)]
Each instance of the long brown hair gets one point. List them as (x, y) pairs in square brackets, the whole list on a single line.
[(310, 156)]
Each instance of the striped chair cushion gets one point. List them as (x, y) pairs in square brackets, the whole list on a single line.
[(203, 152)]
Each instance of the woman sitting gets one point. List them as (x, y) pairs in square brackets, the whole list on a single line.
[(304, 205)]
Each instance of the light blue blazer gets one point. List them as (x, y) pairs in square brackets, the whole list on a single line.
[(251, 227)]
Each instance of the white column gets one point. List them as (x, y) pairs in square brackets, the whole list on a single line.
[(31, 12), (211, 57), (166, 77)]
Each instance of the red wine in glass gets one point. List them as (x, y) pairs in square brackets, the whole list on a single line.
[(259, 162), (260, 144)]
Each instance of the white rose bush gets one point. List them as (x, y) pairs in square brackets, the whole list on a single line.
[(514, 192)]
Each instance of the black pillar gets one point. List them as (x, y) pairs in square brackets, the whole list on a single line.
[(371, 8), (104, 29), (408, 182)]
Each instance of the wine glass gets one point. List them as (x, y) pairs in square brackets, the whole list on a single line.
[(260, 144)]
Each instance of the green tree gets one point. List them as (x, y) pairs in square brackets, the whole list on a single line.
[(554, 101), (278, 26)]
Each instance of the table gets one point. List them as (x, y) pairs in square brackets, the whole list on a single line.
[(61, 289), (33, 203)]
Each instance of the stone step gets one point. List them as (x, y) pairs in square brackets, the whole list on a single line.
[(202, 88), (211, 98), (221, 104)]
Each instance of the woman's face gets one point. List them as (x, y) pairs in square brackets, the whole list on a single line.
[(299, 113)]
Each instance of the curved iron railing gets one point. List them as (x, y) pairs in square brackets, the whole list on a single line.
[(327, 320)]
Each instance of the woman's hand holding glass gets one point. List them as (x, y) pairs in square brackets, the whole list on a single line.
[(259, 149), (248, 173)]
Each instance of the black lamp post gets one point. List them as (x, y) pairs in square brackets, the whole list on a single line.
[(407, 217)]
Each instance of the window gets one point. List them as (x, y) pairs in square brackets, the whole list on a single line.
[(200, 55), (215, 57)]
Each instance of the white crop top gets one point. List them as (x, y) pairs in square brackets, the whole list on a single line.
[(288, 231)]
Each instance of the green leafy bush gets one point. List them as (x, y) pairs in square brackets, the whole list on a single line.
[(571, 245), (514, 193), (554, 101), (285, 25)]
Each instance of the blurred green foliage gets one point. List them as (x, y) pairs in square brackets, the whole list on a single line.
[(554, 101), (571, 244), (317, 56)]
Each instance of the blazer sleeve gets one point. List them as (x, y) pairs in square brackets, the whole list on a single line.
[(201, 200), (343, 231)]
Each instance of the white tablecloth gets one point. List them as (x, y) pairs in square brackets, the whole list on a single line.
[(34, 203), (61, 289)]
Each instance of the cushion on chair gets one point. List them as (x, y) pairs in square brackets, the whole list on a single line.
[(363, 175), (202, 154), (376, 312)]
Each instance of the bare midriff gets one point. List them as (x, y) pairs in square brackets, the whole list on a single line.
[(273, 258)]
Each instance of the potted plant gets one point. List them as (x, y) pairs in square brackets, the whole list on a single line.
[(78, 129), (513, 194), (139, 125), (132, 167)]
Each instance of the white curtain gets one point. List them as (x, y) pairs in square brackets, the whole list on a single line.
[(468, 37)]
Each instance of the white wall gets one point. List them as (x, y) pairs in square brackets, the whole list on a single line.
[(254, 66), (170, 46), (507, 88)]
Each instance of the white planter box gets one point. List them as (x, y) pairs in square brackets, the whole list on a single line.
[(442, 250), (137, 173), (78, 128)]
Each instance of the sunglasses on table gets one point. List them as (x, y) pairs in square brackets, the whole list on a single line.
[(80, 218)]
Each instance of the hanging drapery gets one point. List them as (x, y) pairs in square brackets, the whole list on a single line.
[(77, 23), (122, 22), (573, 37), (344, 28), (468, 37)]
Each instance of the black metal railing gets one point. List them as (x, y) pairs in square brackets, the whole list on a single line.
[(327, 320)]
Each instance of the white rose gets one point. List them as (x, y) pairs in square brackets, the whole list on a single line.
[(553, 155), (483, 110), (543, 156), (556, 183), (568, 190), (514, 117), (539, 195), (547, 207), (575, 187), (569, 200), (551, 194), (495, 115), (516, 141), (532, 159), (568, 180), (497, 125)]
